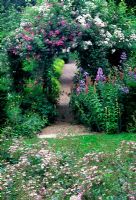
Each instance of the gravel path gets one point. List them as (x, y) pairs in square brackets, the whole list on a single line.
[(64, 125), (66, 79)]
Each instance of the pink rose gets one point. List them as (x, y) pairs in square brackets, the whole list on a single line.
[(27, 38), (57, 32), (63, 22), (59, 43), (51, 33), (29, 47)]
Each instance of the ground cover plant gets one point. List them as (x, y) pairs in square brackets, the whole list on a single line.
[(42, 173)]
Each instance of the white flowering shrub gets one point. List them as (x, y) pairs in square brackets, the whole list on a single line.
[(106, 28)]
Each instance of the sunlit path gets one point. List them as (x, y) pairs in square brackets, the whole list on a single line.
[(66, 79), (64, 124)]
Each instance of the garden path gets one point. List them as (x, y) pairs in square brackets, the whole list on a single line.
[(64, 125)]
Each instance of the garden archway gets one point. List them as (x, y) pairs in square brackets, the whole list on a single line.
[(32, 51)]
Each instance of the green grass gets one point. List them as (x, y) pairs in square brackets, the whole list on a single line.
[(81, 145)]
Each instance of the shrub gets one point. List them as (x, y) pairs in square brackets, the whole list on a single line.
[(29, 65), (131, 3), (8, 20), (102, 33), (18, 4), (58, 65), (5, 84), (131, 123), (128, 101), (30, 125), (55, 89), (98, 109)]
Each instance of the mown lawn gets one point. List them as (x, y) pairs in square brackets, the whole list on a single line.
[(81, 145)]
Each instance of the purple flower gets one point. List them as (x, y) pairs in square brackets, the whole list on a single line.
[(81, 69), (132, 75), (82, 83), (78, 90), (123, 57), (124, 89), (29, 47), (85, 74), (100, 76)]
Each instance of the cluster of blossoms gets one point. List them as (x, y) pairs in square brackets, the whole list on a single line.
[(80, 81), (43, 8), (132, 73), (129, 78), (42, 174), (133, 36), (98, 22), (100, 75), (54, 36), (123, 57), (31, 39), (119, 34), (124, 89), (110, 34)]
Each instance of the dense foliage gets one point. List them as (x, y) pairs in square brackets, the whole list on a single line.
[(102, 35), (107, 103), (17, 4), (106, 60), (34, 39), (33, 70), (8, 20), (130, 4)]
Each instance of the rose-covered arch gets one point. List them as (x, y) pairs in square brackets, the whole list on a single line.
[(39, 42)]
